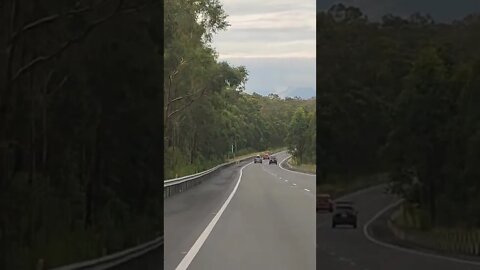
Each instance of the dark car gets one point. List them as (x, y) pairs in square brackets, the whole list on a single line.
[(344, 214), (272, 160), (257, 159), (324, 202)]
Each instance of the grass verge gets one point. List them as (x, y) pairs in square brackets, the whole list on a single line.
[(340, 185), (306, 168), (455, 240)]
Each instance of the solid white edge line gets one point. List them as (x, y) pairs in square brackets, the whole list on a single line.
[(280, 165), (415, 252), (203, 237)]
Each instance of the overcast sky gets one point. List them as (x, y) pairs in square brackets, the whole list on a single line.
[(275, 41)]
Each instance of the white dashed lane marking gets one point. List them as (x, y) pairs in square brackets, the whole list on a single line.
[(285, 180)]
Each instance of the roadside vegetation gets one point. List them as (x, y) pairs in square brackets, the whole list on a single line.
[(401, 96), (79, 129), (203, 134), (206, 107), (301, 139), (307, 168), (341, 184), (81, 126)]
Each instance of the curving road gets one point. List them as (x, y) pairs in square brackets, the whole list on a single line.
[(356, 249), (264, 221)]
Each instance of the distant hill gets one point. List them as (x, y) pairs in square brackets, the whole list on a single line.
[(303, 92)]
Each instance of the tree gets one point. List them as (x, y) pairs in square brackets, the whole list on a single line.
[(419, 136), (404, 100), (73, 98), (297, 137)]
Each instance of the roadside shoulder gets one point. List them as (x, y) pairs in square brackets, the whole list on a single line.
[(284, 164), (381, 231)]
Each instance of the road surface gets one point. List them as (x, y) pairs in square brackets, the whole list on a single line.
[(346, 248), (268, 221)]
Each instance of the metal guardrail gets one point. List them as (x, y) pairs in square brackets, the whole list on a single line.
[(151, 254), (177, 185)]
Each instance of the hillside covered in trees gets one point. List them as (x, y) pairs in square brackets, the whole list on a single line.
[(402, 95), (203, 134), (206, 105)]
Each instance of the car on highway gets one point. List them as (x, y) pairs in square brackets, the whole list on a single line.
[(344, 214), (257, 159), (324, 202), (272, 160), (266, 156)]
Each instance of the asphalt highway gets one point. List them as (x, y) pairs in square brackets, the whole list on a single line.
[(246, 216), (358, 249)]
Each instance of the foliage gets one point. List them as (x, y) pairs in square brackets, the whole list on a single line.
[(79, 149), (206, 108), (399, 96), (301, 136)]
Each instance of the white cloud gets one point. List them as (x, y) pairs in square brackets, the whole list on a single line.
[(269, 37), (268, 49), (272, 24), (263, 56), (274, 20)]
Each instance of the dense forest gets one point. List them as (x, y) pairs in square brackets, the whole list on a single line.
[(80, 102), (206, 107), (301, 137), (402, 95), (84, 107)]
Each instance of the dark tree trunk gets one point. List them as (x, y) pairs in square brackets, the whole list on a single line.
[(33, 150), (194, 146)]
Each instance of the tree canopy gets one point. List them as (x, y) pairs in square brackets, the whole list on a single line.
[(399, 96)]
